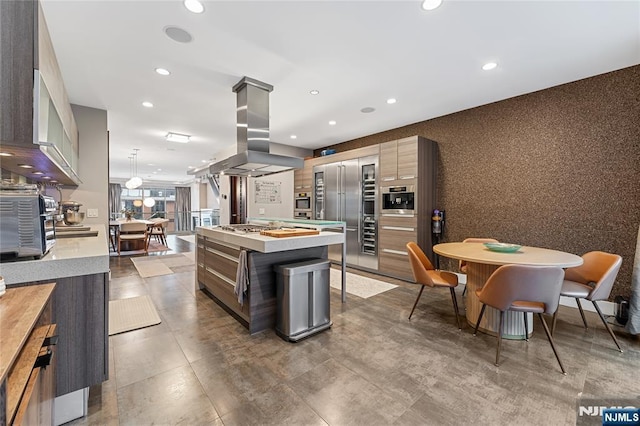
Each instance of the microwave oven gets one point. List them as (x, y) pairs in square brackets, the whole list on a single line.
[(27, 228), (398, 199)]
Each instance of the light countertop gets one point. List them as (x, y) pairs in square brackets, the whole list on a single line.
[(535, 256), (69, 257), (264, 244)]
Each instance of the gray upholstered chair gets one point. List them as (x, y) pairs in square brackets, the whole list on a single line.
[(426, 275), (522, 288), (133, 231), (592, 281), (463, 263)]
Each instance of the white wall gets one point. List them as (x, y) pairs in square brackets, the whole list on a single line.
[(93, 167)]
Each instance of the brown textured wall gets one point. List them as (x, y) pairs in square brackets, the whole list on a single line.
[(558, 168)]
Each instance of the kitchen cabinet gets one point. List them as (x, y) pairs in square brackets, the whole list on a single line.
[(399, 160), (395, 233), (302, 178), (36, 124)]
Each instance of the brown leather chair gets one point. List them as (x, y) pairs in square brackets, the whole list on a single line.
[(426, 275), (592, 281), (133, 231), (463, 263), (522, 288)]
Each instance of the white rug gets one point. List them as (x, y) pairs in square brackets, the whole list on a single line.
[(358, 285), (151, 268), (188, 238), (131, 314)]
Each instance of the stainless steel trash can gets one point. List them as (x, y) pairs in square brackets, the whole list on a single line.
[(303, 298)]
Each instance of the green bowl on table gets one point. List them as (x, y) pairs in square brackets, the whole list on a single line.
[(503, 247)]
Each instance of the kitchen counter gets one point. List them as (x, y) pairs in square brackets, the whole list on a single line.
[(264, 244), (69, 257)]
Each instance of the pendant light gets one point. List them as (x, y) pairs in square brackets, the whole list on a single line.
[(129, 184), (149, 202), (136, 181)]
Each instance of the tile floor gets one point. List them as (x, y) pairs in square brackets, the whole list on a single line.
[(373, 367)]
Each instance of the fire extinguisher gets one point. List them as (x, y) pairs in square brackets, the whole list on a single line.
[(437, 229)]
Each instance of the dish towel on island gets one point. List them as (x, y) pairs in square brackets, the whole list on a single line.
[(242, 277)]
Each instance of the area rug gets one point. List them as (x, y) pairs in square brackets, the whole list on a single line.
[(358, 285), (131, 314), (153, 266), (188, 238)]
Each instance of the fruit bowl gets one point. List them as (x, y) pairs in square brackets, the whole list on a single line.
[(503, 247)]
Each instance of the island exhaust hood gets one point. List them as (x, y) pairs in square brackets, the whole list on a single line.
[(253, 157)]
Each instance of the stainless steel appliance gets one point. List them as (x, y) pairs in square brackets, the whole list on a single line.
[(398, 200), (346, 191), (303, 201), (27, 228)]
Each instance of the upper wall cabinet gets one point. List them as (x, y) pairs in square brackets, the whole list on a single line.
[(399, 160), (36, 122)]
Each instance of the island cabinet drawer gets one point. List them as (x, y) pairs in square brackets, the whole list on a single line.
[(231, 251), (222, 288), (394, 264), (396, 239), (221, 262)]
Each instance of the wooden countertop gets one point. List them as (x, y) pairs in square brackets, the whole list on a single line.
[(20, 309)]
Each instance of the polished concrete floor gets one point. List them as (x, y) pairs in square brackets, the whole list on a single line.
[(373, 367)]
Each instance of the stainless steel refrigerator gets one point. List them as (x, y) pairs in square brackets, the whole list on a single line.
[(347, 191)]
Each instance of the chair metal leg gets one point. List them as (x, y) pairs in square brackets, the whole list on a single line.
[(475, 331), (455, 306), (499, 338), (553, 346), (416, 304), (553, 323), (464, 291), (606, 324), (526, 327), (584, 319)]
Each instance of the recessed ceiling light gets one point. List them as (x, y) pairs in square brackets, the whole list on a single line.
[(190, 167), (315, 92), (177, 137), (332, 123), (38, 173), (391, 101), (431, 4), (150, 164), (45, 177), (25, 166), (204, 161), (489, 66), (159, 170), (178, 34), (6, 154), (147, 104), (53, 181), (367, 110), (163, 71), (194, 6), (294, 137)]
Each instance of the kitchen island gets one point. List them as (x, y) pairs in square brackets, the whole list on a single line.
[(220, 251), (80, 269)]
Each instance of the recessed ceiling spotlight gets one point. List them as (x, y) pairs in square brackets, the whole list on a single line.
[(178, 34), (204, 161), (190, 167), (25, 166), (147, 104), (163, 71), (159, 170), (54, 181), (177, 137), (294, 137), (315, 92), (38, 173), (431, 4), (150, 164), (194, 6), (6, 154), (489, 66), (45, 177), (391, 101), (367, 110), (332, 123)]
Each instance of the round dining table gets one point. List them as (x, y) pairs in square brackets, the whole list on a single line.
[(482, 262)]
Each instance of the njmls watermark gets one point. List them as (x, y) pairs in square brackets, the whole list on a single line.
[(608, 411)]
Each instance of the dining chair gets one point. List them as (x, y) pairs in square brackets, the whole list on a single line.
[(593, 280), (133, 231), (158, 230), (426, 275), (463, 263), (522, 288)]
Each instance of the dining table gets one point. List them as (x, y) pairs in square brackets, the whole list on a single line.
[(114, 225), (482, 262)]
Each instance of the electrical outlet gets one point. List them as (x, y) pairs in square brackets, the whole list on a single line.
[(92, 212), (260, 211)]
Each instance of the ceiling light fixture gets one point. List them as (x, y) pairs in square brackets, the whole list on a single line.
[(177, 137), (135, 180), (194, 6), (315, 92), (38, 173), (367, 110), (45, 177), (149, 202), (137, 203), (163, 71), (431, 4), (489, 66), (178, 34), (332, 123), (147, 104), (6, 154), (25, 166), (391, 101), (294, 137)]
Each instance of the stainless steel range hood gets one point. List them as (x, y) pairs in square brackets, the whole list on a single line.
[(253, 157)]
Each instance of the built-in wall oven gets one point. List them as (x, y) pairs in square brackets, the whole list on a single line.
[(302, 205), (398, 199)]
